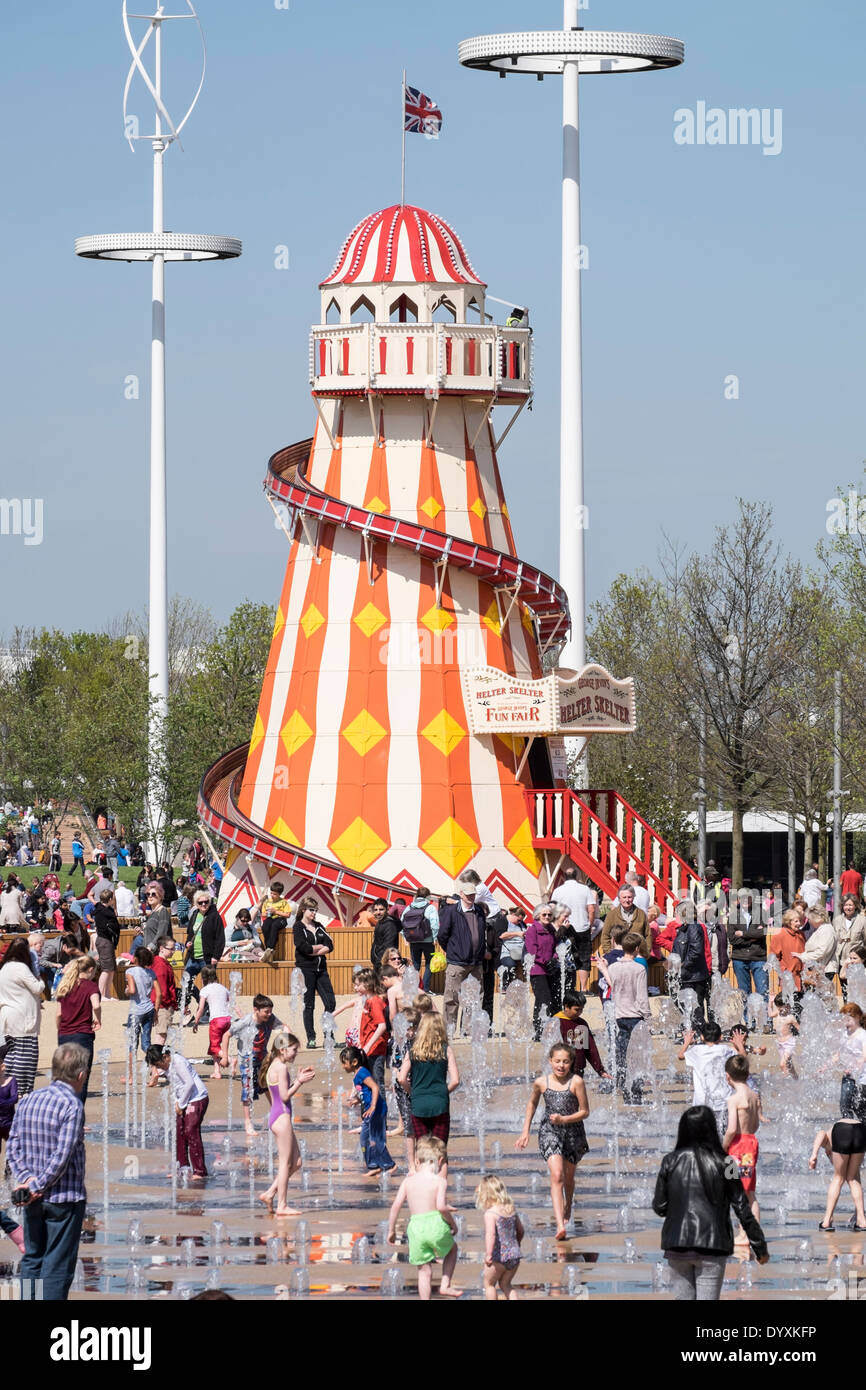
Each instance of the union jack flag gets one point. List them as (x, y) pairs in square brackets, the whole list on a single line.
[(421, 114)]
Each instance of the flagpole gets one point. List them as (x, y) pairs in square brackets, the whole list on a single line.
[(403, 146)]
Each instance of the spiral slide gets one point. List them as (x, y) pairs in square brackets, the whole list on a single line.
[(306, 505)]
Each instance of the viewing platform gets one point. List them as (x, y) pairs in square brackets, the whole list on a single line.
[(429, 358)]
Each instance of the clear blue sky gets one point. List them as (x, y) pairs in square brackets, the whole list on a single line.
[(704, 261)]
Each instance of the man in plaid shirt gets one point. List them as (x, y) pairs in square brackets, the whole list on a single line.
[(46, 1155)]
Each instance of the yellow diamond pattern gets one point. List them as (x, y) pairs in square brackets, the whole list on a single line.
[(295, 732), (364, 733), (311, 621), (369, 620), (258, 733), (505, 511), (431, 507), (479, 509), (282, 832), (358, 846), (444, 732), (279, 623), (375, 504), (527, 622), (521, 846), (491, 619), (437, 619), (450, 847)]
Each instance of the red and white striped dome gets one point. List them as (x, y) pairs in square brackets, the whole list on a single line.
[(404, 245)]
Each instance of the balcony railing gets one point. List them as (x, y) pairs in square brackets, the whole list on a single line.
[(428, 357)]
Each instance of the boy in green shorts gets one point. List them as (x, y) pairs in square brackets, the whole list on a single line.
[(431, 1227)]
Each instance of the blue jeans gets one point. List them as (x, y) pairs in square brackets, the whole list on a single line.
[(746, 971), (85, 1040), (425, 949), (52, 1231), (624, 1029), (141, 1028), (373, 1145)]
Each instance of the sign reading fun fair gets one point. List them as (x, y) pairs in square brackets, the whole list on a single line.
[(588, 701)]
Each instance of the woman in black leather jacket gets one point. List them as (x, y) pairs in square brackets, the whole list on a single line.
[(696, 1187)]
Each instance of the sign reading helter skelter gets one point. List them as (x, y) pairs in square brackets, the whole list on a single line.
[(580, 703)]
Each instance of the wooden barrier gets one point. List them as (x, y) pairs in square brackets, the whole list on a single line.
[(351, 947)]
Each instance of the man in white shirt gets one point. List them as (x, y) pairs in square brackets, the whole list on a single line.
[(125, 901), (811, 889), (582, 903)]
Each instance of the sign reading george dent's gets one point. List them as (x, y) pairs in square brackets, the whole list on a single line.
[(588, 701)]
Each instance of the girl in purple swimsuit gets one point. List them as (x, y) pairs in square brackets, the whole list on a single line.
[(276, 1079)]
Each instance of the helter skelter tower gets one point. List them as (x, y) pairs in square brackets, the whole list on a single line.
[(362, 771)]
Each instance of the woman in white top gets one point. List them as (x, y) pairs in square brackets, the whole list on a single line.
[(11, 911), (852, 1059), (20, 1013), (822, 949), (850, 928)]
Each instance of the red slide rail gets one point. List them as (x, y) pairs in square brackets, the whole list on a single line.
[(286, 480), (605, 837), (218, 809)]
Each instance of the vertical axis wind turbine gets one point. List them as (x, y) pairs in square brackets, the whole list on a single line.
[(568, 53), (157, 246)]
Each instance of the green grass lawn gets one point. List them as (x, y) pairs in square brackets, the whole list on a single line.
[(28, 873)]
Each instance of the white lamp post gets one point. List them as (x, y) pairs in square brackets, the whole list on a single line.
[(569, 53), (157, 247)]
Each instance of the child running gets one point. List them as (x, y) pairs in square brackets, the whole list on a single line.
[(275, 1077), (503, 1232), (578, 1034), (707, 1062), (374, 1112), (787, 1032), (561, 1135), (740, 1138), (431, 1229), (215, 998)]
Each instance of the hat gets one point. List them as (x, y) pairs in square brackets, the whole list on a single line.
[(467, 889)]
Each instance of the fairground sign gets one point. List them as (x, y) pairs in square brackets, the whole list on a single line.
[(589, 701)]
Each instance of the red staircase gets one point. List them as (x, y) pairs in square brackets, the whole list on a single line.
[(605, 837)]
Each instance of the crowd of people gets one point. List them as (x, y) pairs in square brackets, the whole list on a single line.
[(464, 935)]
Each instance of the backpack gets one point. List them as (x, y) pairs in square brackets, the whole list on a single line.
[(415, 926)]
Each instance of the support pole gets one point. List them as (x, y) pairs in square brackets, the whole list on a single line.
[(702, 797), (158, 594), (571, 513), (837, 791)]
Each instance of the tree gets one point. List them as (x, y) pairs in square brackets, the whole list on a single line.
[(736, 638), (74, 715), (215, 708), (800, 738), (653, 768)]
